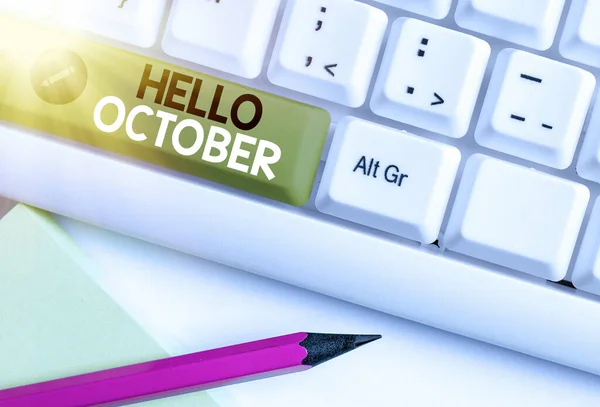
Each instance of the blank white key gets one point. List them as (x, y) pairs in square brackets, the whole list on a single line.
[(516, 217), (135, 22), (430, 8), (532, 23), (328, 49), (376, 176), (231, 36), (581, 38), (586, 274), (430, 77), (535, 108), (588, 165)]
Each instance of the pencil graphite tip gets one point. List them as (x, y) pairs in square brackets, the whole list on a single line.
[(361, 340), (323, 347)]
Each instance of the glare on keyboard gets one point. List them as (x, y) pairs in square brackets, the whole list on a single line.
[(30, 8), (27, 45)]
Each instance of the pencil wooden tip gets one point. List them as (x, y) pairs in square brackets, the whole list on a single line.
[(323, 347)]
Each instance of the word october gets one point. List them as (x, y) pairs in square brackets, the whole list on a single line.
[(220, 145)]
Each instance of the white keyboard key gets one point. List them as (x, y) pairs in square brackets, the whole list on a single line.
[(581, 37), (134, 22), (430, 77), (532, 23), (513, 310), (588, 164), (328, 49), (586, 274), (231, 36), (431, 8), (375, 176), (516, 217), (535, 108)]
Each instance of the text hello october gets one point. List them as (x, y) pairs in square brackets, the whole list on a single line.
[(215, 149)]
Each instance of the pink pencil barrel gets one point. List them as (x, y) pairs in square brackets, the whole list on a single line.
[(160, 378)]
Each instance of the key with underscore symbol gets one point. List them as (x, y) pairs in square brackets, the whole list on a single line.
[(535, 108), (156, 112)]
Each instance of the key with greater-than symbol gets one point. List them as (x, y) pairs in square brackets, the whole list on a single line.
[(328, 51), (430, 77), (160, 113)]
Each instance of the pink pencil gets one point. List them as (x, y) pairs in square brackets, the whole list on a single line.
[(183, 374)]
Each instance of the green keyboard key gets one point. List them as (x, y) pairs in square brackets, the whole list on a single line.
[(160, 113)]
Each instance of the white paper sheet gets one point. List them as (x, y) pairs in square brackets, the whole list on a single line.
[(190, 304)]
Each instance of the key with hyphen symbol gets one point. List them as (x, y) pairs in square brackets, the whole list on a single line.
[(535, 108)]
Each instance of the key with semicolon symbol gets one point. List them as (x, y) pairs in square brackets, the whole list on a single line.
[(160, 113), (328, 49), (430, 77)]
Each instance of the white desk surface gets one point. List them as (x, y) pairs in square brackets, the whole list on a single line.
[(190, 304)]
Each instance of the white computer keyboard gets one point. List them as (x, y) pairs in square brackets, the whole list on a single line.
[(451, 189)]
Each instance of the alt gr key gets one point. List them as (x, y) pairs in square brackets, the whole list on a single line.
[(375, 176)]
